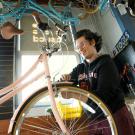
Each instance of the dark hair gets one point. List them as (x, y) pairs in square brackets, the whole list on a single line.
[(89, 35)]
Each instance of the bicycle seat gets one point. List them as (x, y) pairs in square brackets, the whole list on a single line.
[(8, 30)]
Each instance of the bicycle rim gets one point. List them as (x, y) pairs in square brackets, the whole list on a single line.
[(82, 113), (91, 6)]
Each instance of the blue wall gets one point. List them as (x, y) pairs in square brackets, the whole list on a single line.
[(126, 23)]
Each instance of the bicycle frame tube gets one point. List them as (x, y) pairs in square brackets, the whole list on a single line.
[(52, 98), (15, 87), (103, 5)]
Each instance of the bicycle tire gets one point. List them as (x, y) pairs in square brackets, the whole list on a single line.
[(92, 7), (78, 121)]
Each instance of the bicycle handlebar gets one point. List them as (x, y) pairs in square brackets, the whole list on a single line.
[(44, 26)]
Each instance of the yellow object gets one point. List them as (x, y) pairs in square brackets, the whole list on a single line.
[(70, 109)]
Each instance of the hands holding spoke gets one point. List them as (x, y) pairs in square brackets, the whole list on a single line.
[(65, 77)]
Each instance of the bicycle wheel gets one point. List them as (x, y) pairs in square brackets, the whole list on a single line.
[(81, 111)]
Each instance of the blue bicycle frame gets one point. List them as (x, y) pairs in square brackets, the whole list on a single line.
[(26, 5)]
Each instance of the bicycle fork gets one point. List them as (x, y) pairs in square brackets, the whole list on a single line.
[(52, 98)]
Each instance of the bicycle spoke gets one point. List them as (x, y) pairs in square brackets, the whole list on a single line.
[(91, 120), (33, 131)]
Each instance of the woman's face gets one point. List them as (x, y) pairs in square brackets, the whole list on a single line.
[(86, 48)]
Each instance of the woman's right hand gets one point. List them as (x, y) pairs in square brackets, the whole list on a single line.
[(65, 77)]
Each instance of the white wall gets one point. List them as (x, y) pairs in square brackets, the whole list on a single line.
[(105, 24), (109, 28)]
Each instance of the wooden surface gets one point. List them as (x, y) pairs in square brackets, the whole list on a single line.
[(4, 127)]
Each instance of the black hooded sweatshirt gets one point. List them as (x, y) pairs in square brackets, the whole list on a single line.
[(102, 78)]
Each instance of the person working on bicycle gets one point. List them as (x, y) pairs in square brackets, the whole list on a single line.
[(99, 74)]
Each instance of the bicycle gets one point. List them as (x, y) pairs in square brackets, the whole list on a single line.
[(71, 110), (129, 6), (17, 9)]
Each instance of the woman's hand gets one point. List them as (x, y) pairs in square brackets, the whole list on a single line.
[(65, 77)]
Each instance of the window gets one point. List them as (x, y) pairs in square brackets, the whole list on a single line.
[(59, 64)]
